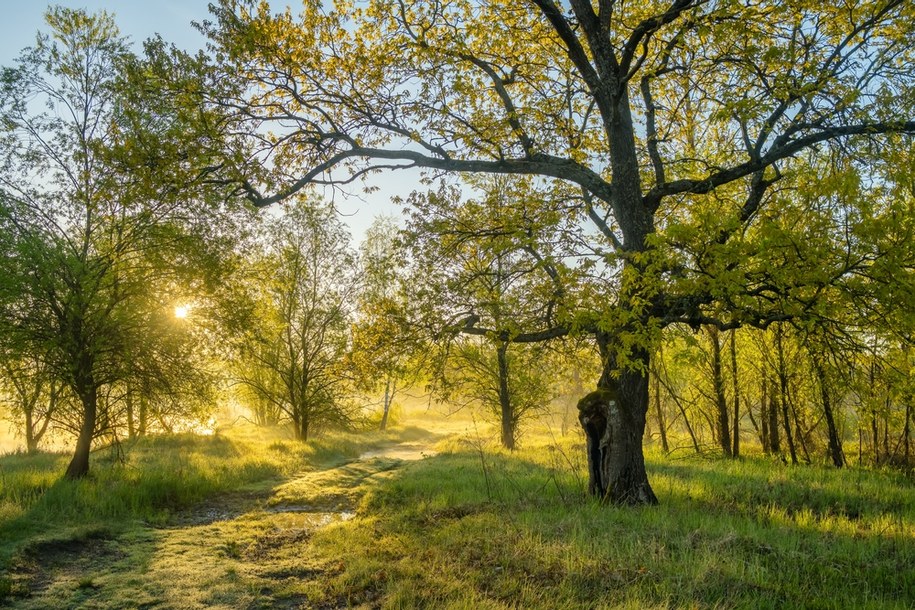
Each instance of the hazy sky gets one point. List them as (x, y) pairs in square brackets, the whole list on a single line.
[(139, 20)]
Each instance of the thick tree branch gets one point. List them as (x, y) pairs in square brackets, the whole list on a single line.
[(644, 30), (783, 148), (538, 164)]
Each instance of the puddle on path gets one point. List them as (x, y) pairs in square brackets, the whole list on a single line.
[(317, 516), (404, 451)]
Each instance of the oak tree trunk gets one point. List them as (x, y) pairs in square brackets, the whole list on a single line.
[(623, 469), (613, 418)]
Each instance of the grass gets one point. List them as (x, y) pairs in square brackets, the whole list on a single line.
[(728, 534), (244, 520)]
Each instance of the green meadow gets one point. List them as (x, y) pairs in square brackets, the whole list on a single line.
[(416, 518)]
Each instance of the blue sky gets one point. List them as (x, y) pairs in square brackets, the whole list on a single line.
[(138, 19), (20, 20)]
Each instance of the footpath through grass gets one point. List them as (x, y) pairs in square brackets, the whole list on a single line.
[(248, 522), (142, 486)]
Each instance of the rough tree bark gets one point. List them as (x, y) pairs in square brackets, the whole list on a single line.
[(613, 418)]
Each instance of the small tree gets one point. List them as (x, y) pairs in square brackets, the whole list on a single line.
[(292, 357), (489, 268), (32, 395), (510, 383), (383, 341)]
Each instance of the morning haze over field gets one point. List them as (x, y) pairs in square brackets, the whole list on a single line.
[(462, 304)]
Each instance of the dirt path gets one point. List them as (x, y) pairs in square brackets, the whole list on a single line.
[(240, 550)]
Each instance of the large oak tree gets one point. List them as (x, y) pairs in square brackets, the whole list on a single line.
[(659, 114)]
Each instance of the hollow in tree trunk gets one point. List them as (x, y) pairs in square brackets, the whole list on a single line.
[(613, 418)]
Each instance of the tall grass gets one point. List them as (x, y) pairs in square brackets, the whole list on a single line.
[(472, 529)]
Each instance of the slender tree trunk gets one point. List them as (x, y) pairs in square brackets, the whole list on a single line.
[(875, 437), (886, 430), (775, 444), (54, 391), (79, 465), (789, 437), (723, 427), (31, 443), (144, 416), (783, 394), (799, 432), (387, 404), (873, 409), (505, 403), (131, 422), (735, 451), (832, 432), (659, 412), (682, 409), (906, 433), (764, 414)]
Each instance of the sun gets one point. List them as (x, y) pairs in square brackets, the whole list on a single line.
[(181, 311)]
